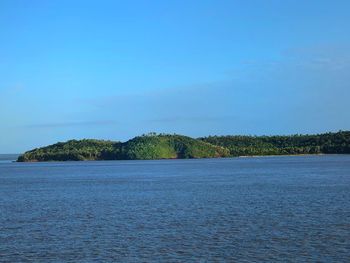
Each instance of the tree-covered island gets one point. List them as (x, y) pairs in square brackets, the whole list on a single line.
[(165, 146)]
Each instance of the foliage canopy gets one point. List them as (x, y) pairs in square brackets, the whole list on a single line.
[(165, 146)]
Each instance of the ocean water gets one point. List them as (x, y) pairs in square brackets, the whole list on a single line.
[(266, 209), (8, 157)]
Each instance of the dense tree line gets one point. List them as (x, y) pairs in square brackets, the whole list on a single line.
[(328, 143), (164, 146), (146, 147), (74, 150)]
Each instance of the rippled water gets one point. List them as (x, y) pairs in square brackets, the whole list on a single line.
[(245, 209)]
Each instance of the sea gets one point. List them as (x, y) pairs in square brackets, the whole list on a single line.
[(258, 209)]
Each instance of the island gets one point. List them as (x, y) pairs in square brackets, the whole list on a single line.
[(153, 146)]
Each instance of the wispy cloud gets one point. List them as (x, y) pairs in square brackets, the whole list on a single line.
[(329, 57), (304, 90), (194, 119), (69, 124)]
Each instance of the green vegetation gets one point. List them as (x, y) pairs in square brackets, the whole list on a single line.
[(72, 150), (146, 147), (164, 146), (328, 143)]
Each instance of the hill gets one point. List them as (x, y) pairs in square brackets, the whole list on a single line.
[(144, 147), (164, 146), (73, 150)]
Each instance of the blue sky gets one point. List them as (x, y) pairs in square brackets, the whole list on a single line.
[(116, 69)]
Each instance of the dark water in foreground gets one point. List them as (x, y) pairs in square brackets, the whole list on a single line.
[(284, 209)]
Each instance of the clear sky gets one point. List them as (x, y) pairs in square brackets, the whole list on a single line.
[(116, 69)]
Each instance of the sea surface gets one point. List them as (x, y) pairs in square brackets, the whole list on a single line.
[(8, 157), (264, 209)]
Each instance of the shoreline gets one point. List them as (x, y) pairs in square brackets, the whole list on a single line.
[(278, 155), (169, 159), (175, 146)]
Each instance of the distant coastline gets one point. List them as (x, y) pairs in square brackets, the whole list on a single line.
[(154, 146), (8, 157)]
